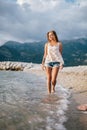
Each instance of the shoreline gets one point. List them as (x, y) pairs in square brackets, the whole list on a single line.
[(75, 79)]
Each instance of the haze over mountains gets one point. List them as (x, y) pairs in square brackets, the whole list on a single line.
[(74, 52)]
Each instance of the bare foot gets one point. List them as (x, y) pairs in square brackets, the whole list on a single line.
[(53, 90), (49, 92), (82, 107)]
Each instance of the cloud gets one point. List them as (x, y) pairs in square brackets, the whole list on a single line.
[(39, 5), (28, 20)]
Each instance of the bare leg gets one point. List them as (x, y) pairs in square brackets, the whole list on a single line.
[(54, 76), (48, 73)]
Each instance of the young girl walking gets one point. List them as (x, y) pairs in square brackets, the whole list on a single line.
[(52, 59)]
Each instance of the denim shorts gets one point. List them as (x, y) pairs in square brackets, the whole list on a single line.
[(52, 64)]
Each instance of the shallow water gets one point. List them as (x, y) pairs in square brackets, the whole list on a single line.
[(25, 104)]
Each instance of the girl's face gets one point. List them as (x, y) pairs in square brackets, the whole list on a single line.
[(51, 36)]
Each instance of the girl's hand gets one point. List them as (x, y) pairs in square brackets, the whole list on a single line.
[(43, 67), (61, 67)]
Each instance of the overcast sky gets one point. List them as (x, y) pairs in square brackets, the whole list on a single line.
[(30, 20)]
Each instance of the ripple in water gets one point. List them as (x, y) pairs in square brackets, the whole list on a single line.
[(25, 105)]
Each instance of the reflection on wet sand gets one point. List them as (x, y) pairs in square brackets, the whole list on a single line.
[(50, 98)]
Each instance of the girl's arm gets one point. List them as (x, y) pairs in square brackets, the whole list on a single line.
[(45, 54), (60, 49)]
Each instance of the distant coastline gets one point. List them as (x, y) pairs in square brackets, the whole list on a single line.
[(15, 66), (22, 66)]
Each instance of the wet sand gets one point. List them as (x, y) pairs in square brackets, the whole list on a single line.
[(75, 79)]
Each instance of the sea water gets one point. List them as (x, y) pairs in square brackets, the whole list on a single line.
[(25, 104)]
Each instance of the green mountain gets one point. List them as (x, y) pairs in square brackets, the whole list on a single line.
[(74, 52), (26, 52)]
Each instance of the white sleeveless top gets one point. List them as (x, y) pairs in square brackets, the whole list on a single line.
[(53, 54)]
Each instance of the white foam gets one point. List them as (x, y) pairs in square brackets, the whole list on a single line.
[(56, 119), (59, 127)]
